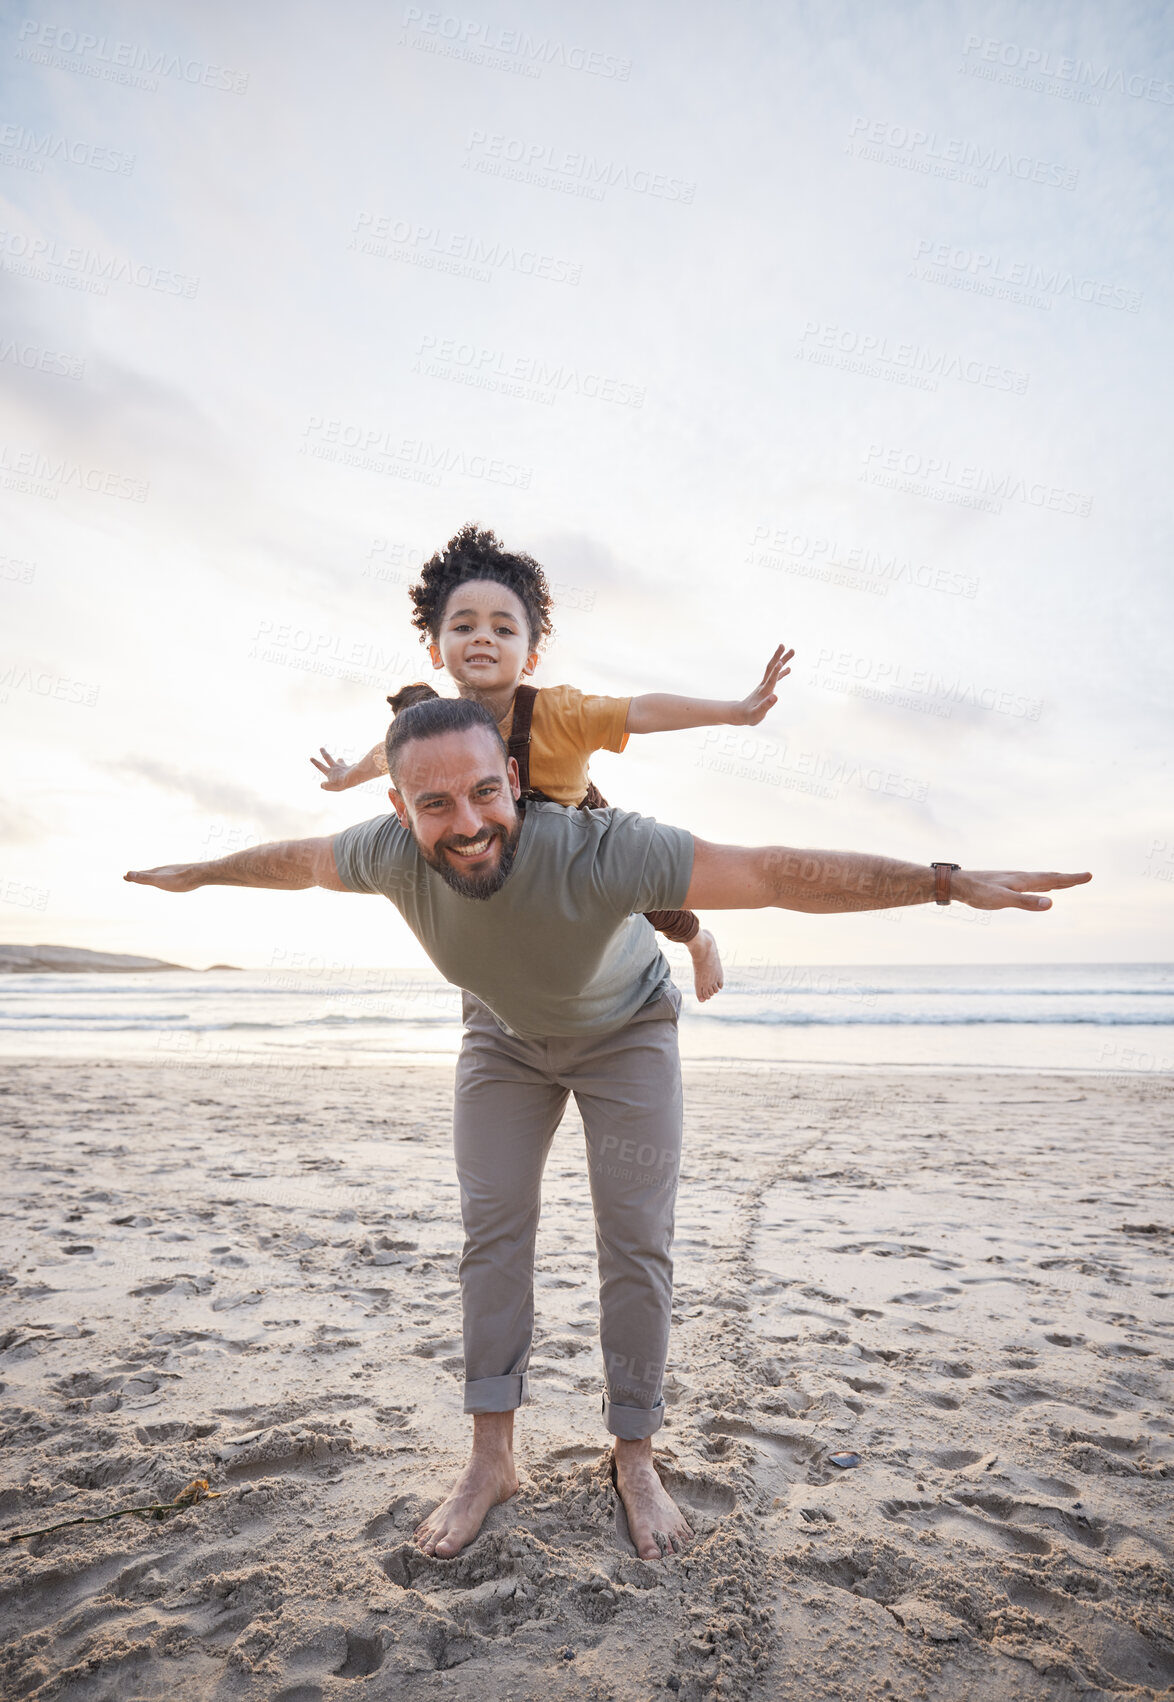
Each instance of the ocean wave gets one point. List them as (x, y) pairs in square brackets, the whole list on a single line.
[(861, 989), (791, 1019), (34, 1020), (767, 1019), (114, 1025)]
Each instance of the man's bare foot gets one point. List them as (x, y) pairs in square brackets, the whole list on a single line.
[(488, 1479), (656, 1523), (708, 978)]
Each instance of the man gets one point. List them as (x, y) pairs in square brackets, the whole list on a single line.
[(536, 914)]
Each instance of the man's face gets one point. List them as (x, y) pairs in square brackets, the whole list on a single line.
[(456, 794)]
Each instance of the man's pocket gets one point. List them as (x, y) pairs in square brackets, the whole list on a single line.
[(664, 1006)]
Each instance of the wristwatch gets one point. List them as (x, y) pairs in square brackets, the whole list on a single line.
[(942, 881)]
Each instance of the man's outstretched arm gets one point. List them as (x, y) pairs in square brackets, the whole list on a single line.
[(288, 865), (735, 877)]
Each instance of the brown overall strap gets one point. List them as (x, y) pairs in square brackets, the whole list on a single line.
[(519, 748), (519, 740)]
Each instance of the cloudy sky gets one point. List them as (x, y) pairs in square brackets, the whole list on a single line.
[(839, 324)]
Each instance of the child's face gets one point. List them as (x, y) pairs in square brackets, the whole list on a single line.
[(484, 638)]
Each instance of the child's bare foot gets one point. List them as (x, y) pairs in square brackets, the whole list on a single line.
[(657, 1525), (488, 1479), (708, 978)]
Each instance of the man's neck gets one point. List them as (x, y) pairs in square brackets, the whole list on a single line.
[(497, 702)]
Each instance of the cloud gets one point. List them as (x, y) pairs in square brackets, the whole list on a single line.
[(220, 798), (19, 826)]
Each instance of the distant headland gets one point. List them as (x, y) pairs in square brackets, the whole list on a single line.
[(73, 960)]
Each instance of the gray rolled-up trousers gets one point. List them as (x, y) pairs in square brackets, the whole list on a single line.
[(510, 1096)]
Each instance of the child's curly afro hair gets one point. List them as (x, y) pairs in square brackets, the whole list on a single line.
[(474, 554)]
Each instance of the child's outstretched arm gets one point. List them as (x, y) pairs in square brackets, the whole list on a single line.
[(340, 776), (658, 712)]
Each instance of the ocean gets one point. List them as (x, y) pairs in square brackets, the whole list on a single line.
[(1114, 1018)]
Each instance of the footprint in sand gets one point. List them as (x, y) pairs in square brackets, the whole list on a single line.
[(951, 1520), (176, 1430), (364, 1655), (361, 1655), (955, 1459), (433, 1347), (701, 1494), (576, 1453), (468, 1590), (1044, 1485), (1079, 1527), (866, 1386), (795, 1454), (1016, 1392), (273, 1452), (952, 1368), (817, 1516), (1120, 1648), (1102, 1454)]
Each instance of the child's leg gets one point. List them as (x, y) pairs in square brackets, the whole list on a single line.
[(679, 925), (684, 927)]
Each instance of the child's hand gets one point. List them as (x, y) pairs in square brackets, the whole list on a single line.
[(762, 698), (337, 773)]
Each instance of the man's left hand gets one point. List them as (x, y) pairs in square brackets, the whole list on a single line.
[(1004, 889)]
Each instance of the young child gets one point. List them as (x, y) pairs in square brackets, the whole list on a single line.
[(484, 613)]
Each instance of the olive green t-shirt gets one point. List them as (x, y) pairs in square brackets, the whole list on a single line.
[(561, 948)]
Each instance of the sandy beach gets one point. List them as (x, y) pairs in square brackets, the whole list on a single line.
[(250, 1276)]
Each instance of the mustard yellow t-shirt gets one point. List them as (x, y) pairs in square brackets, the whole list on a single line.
[(567, 726)]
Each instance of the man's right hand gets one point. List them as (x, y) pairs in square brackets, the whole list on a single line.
[(286, 866), (172, 877), (336, 771)]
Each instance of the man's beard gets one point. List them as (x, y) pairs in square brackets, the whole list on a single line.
[(475, 885)]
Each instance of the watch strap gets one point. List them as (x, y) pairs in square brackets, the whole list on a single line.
[(942, 872)]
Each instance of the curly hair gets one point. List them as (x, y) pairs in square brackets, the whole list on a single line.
[(474, 554)]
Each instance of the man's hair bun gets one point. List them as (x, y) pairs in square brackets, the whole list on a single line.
[(418, 692)]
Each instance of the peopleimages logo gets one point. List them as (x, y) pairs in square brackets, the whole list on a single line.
[(488, 43), (887, 681), (27, 148), (743, 755), (44, 684), (528, 377), (548, 167), (901, 361), (119, 61), (35, 359), (812, 556), (53, 262), (375, 449), (468, 256), (996, 275), (969, 486), (929, 152), (1009, 61), (37, 474)]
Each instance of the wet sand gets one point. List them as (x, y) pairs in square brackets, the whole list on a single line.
[(250, 1275)]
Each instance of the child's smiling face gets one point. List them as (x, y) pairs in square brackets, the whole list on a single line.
[(484, 637)]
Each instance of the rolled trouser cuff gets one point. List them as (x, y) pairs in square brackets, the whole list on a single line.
[(632, 1424), (497, 1394)]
